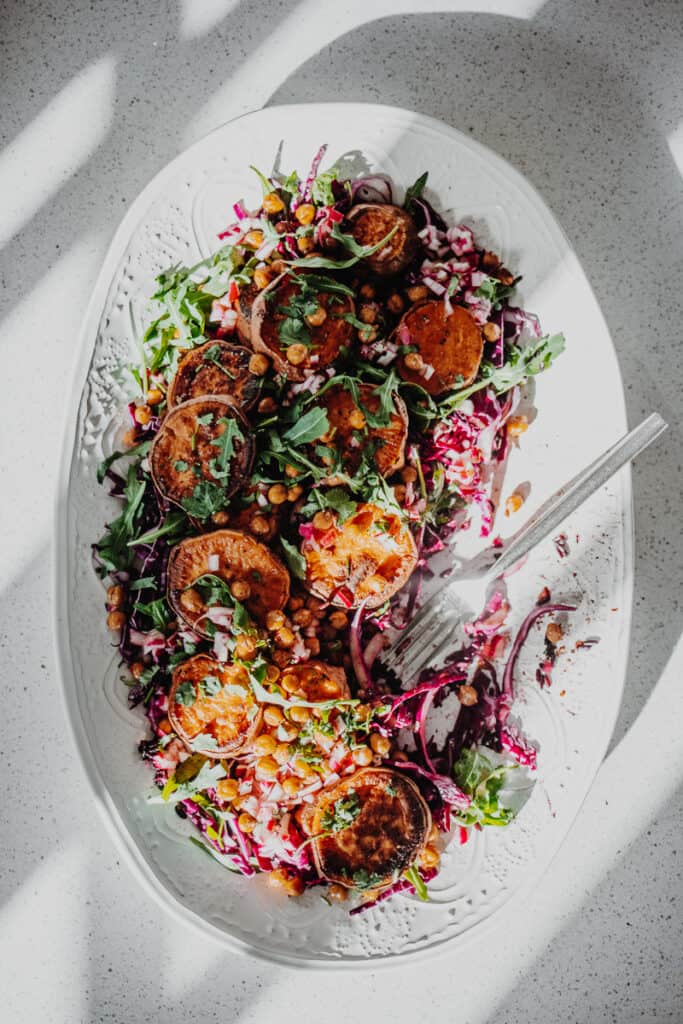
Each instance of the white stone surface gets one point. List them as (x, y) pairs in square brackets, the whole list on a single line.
[(586, 98)]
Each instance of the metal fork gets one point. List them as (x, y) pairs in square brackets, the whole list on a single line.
[(431, 630)]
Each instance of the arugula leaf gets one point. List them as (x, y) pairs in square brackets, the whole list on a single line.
[(294, 559), (213, 590), (521, 363), (174, 526), (225, 442), (265, 184), (413, 875), (207, 498), (158, 612), (321, 189), (206, 778), (140, 450), (387, 406), (481, 780), (414, 192), (359, 252), (313, 425), (336, 498)]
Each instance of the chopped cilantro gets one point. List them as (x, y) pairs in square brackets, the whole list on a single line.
[(185, 694), (207, 498), (342, 813)]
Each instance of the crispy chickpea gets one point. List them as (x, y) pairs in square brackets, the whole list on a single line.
[(287, 732), (259, 364), (253, 239), (317, 318), (356, 419), (553, 632), (362, 755), (292, 471), (314, 604), (259, 526), (400, 492), (294, 493), (291, 786), (302, 617), (380, 744), (261, 278), (513, 503), (305, 213), (312, 644), (281, 658), (433, 834), (302, 767), (295, 603), (414, 361), (417, 292), (395, 304), (267, 405), (289, 682), (137, 668), (143, 415), (130, 438), (367, 314), (408, 474), (264, 744), (323, 520), (468, 696), (430, 857), (116, 620), (154, 396), (245, 648), (296, 354), (190, 600), (299, 715), (337, 893), (275, 619), (227, 789), (246, 822), (277, 494), (338, 620), (272, 203), (240, 590), (517, 425), (284, 638), (282, 753), (116, 596), (287, 880), (305, 244), (267, 766), (367, 335), (491, 332), (220, 518), (367, 291), (272, 715), (272, 673)]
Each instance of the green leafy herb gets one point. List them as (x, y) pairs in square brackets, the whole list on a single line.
[(210, 686), (213, 355), (359, 252), (181, 466), (225, 442), (140, 450), (415, 192), (414, 877), (336, 498), (294, 559), (174, 527), (265, 184), (313, 425), (364, 879), (342, 813), (387, 406), (483, 781), (321, 189), (158, 612), (185, 694), (207, 498)]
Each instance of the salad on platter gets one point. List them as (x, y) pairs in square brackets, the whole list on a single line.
[(321, 408)]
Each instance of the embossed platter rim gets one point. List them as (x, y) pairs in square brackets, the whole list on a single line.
[(395, 135)]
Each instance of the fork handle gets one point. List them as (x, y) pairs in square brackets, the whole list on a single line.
[(572, 494)]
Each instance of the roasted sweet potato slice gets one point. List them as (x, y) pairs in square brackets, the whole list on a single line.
[(370, 556), (371, 222), (217, 368), (245, 303), (449, 347), (350, 432), (389, 825), (212, 708), (230, 555), (281, 306), (201, 455)]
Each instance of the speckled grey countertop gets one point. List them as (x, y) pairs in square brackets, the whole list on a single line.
[(586, 99)]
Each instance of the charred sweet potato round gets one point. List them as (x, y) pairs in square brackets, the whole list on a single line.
[(350, 436), (319, 344), (370, 556), (387, 834), (190, 453), (217, 368), (232, 556), (212, 708), (371, 222), (449, 348)]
